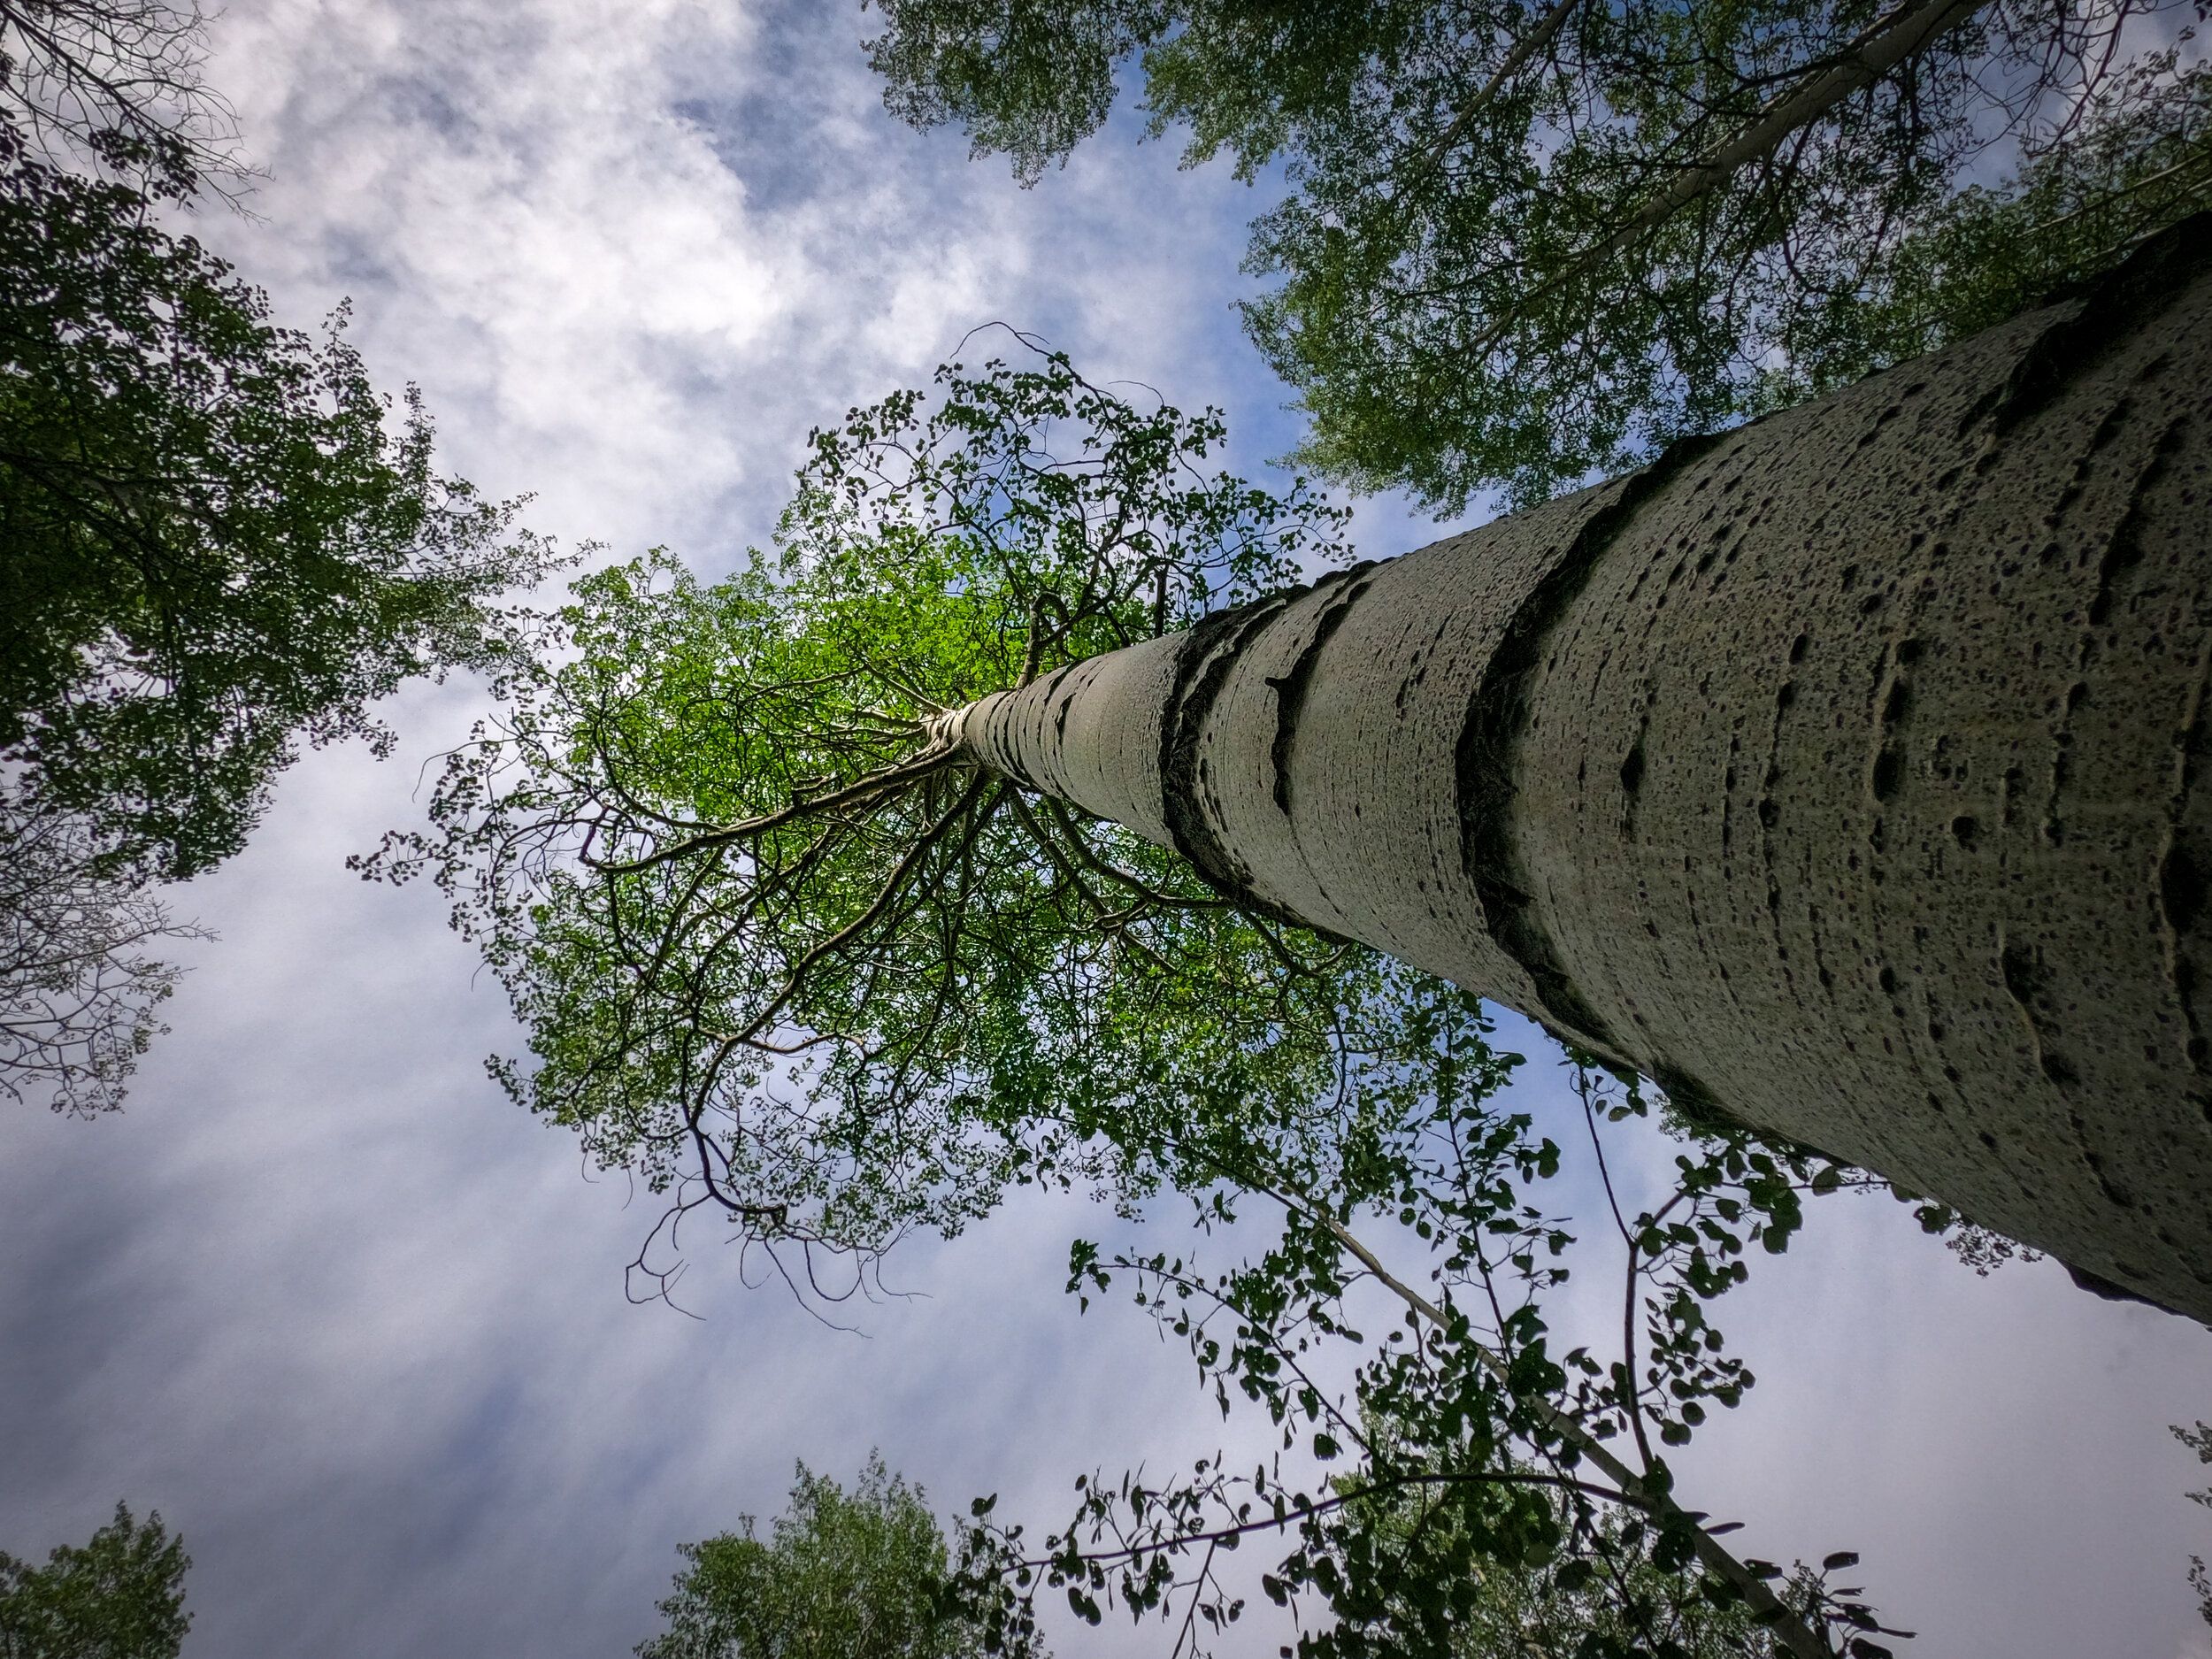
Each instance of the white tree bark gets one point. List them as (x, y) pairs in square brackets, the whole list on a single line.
[(1843, 773)]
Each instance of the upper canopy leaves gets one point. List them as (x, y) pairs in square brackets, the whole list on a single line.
[(213, 541), (1528, 242), (779, 947)]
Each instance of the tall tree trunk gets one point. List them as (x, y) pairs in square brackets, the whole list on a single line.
[(1843, 772)]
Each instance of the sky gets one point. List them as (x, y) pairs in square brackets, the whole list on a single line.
[(357, 1326)]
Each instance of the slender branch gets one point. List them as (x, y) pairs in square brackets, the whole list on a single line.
[(867, 919), (1135, 883), (1189, 1632), (1802, 1640), (888, 780), (1523, 49), (2120, 195), (1888, 42), (1306, 1508), (1055, 853), (1628, 1295)]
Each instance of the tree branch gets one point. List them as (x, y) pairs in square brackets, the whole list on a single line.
[(1802, 1641), (888, 780), (1890, 42)]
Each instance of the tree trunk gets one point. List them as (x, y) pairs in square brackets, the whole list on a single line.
[(1842, 772)]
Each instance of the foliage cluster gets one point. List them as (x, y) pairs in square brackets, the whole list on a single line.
[(1524, 243), (793, 958), (215, 541), (2198, 1439), (1475, 1477), (2139, 159), (842, 1575), (121, 1595)]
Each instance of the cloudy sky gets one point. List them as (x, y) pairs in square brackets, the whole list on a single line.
[(358, 1327)]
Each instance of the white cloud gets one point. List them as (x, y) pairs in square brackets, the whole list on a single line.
[(633, 253)]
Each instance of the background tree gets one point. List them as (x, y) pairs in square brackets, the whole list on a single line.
[(78, 990), (116, 86), (2137, 158), (119, 1596), (1526, 242), (215, 540), (216, 545), (856, 1575)]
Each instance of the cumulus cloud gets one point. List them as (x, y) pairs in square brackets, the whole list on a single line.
[(633, 253)]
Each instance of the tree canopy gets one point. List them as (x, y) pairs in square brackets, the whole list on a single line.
[(217, 538), (841, 1575), (119, 1595), (786, 954), (216, 542), (1526, 243)]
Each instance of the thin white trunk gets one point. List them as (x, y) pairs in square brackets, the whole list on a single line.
[(1841, 773)]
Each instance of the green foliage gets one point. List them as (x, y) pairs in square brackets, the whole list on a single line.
[(2139, 159), (1522, 242), (791, 958), (1030, 78), (1471, 1477), (119, 1596), (213, 542), (210, 544), (842, 1575), (1615, 1598)]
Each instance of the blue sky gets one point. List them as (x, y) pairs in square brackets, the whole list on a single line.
[(357, 1326)]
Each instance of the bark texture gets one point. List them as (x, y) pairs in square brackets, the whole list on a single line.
[(1844, 773)]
